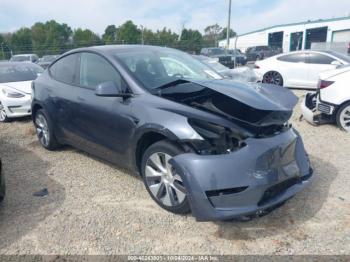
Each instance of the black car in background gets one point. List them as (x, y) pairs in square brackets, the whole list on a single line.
[(224, 58), (2, 183), (240, 58), (256, 53), (46, 60)]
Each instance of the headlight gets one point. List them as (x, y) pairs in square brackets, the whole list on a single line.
[(217, 139), (11, 94), (233, 58)]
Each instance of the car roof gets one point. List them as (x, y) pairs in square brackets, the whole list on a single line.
[(110, 48), (24, 55)]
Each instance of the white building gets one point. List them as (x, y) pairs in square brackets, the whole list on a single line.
[(295, 36)]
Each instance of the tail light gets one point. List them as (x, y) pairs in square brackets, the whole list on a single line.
[(323, 84), (256, 66)]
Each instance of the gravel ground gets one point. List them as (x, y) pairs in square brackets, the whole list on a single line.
[(95, 208)]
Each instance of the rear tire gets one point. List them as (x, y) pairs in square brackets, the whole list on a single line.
[(44, 130), (343, 117), (162, 182)]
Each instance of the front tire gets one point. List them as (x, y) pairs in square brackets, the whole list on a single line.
[(3, 115), (44, 130), (343, 117), (273, 77), (162, 182)]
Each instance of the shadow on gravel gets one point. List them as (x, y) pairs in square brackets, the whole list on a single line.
[(25, 174), (288, 217)]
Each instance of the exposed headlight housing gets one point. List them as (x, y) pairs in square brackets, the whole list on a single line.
[(11, 93), (217, 139)]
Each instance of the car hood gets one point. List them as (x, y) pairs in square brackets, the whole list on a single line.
[(24, 87), (256, 95), (253, 105)]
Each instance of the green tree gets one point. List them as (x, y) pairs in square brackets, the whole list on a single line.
[(166, 37), (85, 38), (50, 38), (190, 41), (110, 35), (128, 33), (211, 34), (21, 41), (223, 33)]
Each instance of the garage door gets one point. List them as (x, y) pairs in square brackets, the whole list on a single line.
[(341, 36)]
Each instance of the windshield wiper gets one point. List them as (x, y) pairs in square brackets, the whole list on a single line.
[(171, 84)]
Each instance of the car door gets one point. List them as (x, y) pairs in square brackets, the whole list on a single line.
[(317, 63), (104, 124), (293, 69), (60, 93)]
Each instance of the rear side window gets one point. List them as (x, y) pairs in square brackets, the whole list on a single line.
[(94, 70), (293, 58), (316, 58), (65, 69)]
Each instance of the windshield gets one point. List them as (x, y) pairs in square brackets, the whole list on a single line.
[(217, 51), (339, 55), (18, 73), (155, 68), (21, 58)]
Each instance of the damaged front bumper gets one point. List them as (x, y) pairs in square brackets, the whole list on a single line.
[(261, 175)]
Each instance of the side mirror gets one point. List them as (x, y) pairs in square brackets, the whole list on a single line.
[(336, 63), (110, 89)]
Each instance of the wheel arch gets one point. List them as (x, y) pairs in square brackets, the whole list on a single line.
[(35, 108), (147, 138)]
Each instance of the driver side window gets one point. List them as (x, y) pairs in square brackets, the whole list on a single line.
[(95, 70)]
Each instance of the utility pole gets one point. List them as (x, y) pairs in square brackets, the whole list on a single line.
[(228, 26), (142, 40)]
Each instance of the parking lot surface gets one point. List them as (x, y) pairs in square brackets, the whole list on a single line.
[(93, 207)]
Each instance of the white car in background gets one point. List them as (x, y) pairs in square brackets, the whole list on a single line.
[(15, 89), (331, 102), (298, 69), (32, 58)]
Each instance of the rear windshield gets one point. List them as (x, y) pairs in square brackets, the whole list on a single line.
[(18, 73), (21, 58), (341, 56)]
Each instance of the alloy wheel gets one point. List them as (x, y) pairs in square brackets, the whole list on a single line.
[(273, 78), (345, 118), (163, 181), (42, 130)]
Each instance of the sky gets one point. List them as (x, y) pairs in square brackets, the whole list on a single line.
[(247, 15)]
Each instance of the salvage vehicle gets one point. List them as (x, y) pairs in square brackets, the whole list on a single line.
[(15, 89), (224, 58), (331, 102), (243, 73), (299, 69), (218, 148), (2, 183)]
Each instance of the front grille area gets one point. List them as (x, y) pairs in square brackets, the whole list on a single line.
[(222, 192), (278, 189), (324, 108)]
